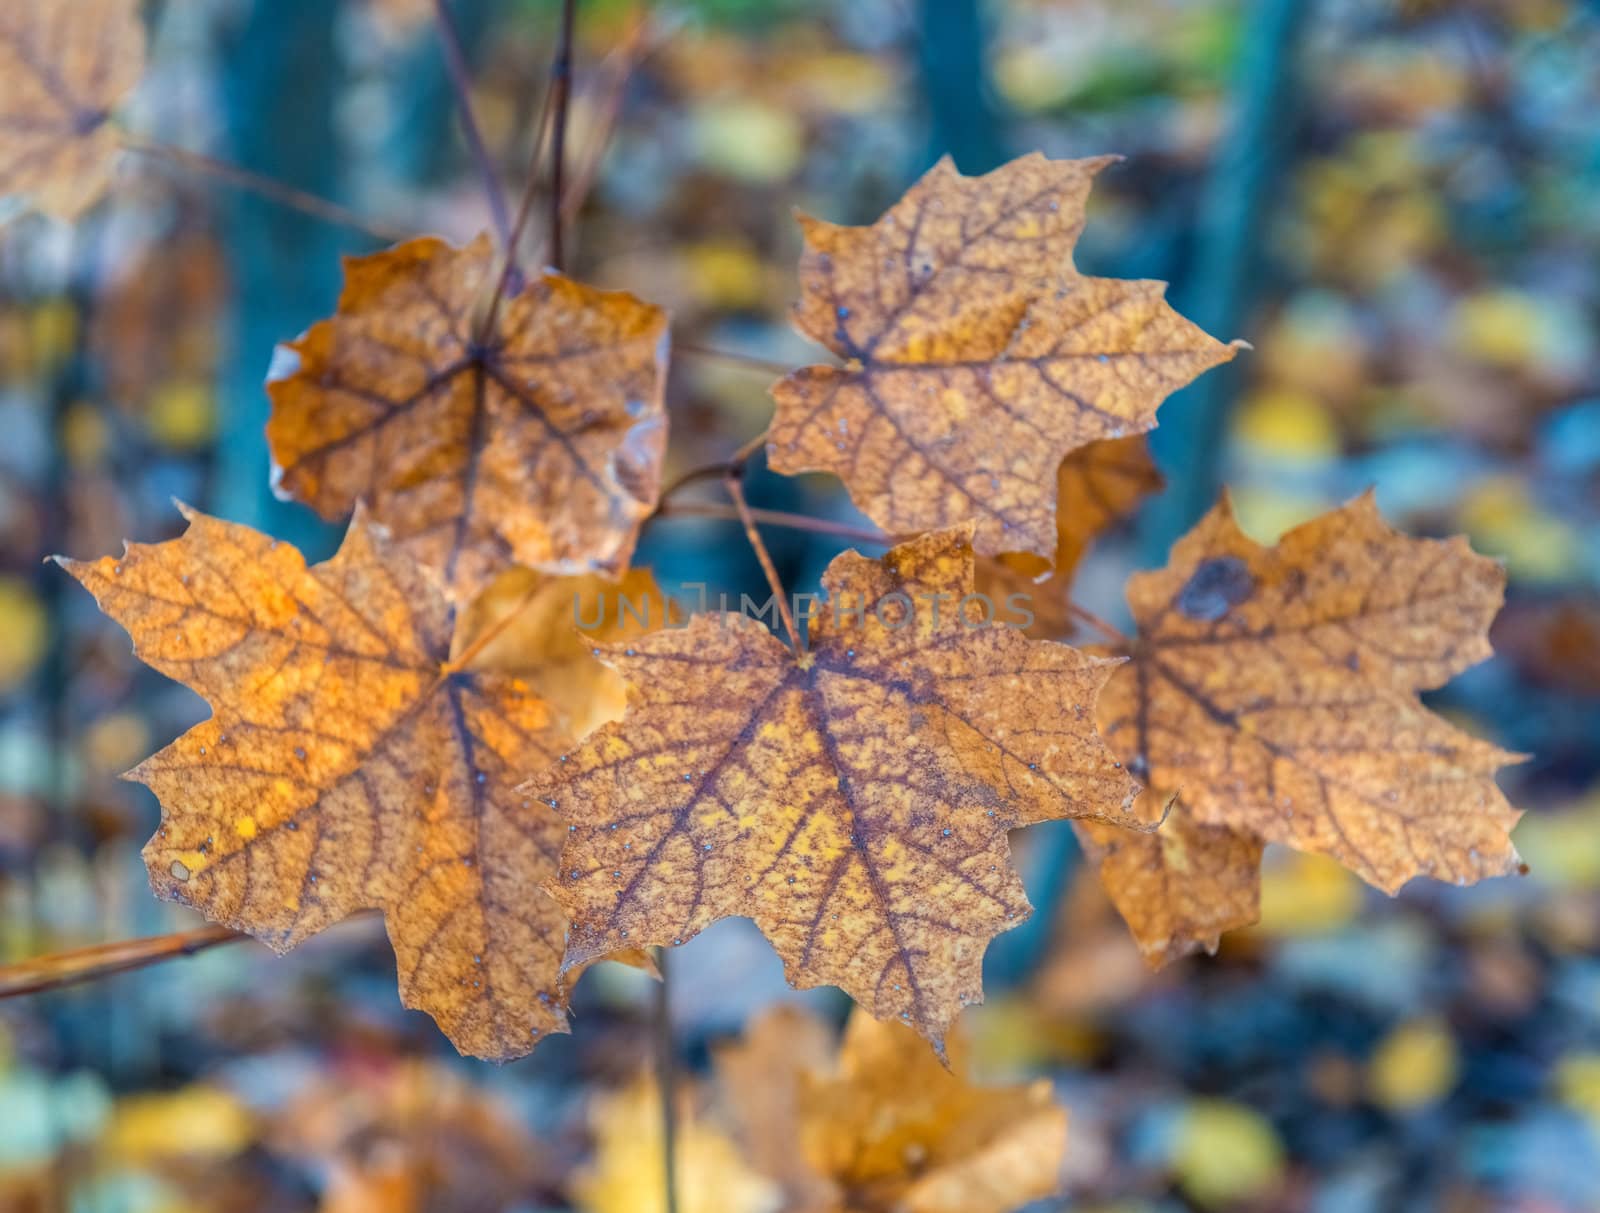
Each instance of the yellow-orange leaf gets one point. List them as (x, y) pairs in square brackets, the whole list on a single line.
[(626, 1173), (853, 800), (887, 1128), (1275, 690), (350, 764), (64, 66), (1096, 486), (540, 445), (977, 356), (1180, 887)]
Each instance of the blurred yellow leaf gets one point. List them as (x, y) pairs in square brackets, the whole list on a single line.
[(1577, 1080), (1503, 520), (182, 414), (196, 1121), (1288, 424), (1415, 1065), (1226, 1152), (748, 140), (626, 1173), (24, 631), (1562, 848), (1304, 894)]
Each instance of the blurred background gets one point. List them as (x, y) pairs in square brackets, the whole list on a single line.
[(1396, 202)]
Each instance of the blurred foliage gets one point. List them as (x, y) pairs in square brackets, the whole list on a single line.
[(1425, 320)]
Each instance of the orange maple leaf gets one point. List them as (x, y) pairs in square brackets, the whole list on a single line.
[(540, 445), (853, 799), (1274, 691), (360, 755), (977, 356)]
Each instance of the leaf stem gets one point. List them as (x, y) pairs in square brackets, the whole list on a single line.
[(734, 358), (667, 1081), (777, 518), (734, 465), (1111, 634), (59, 969), (266, 187), (455, 61), (492, 632), (576, 192), (734, 483), (561, 87)]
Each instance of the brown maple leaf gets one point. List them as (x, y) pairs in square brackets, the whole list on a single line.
[(853, 800), (886, 1128), (1275, 691), (64, 66), (541, 445), (351, 762), (977, 356), (1096, 486), (1178, 888)]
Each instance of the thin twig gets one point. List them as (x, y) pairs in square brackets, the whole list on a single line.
[(561, 88), (266, 187), (734, 483), (1111, 634), (777, 518), (578, 190), (632, 51), (107, 959), (667, 1081), (455, 61), (733, 465), (734, 358), (493, 631)]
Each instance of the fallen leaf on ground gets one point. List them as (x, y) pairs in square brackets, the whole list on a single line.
[(627, 1173), (350, 764), (887, 1128), (977, 357), (64, 66), (1275, 691), (853, 800), (540, 445)]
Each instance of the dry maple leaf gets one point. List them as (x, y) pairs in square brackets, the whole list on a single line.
[(978, 357), (853, 800), (1181, 887), (887, 1129), (1096, 486), (1275, 691), (64, 66), (626, 1172), (539, 446), (350, 763)]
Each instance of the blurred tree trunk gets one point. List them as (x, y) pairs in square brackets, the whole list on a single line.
[(279, 73), (1224, 274), (955, 87)]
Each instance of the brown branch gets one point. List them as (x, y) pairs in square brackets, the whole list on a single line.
[(734, 358), (734, 483), (561, 88), (266, 187), (107, 959), (1111, 634), (667, 1082), (631, 55), (777, 518), (455, 61)]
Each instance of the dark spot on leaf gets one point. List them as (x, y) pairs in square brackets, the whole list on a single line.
[(1215, 588)]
